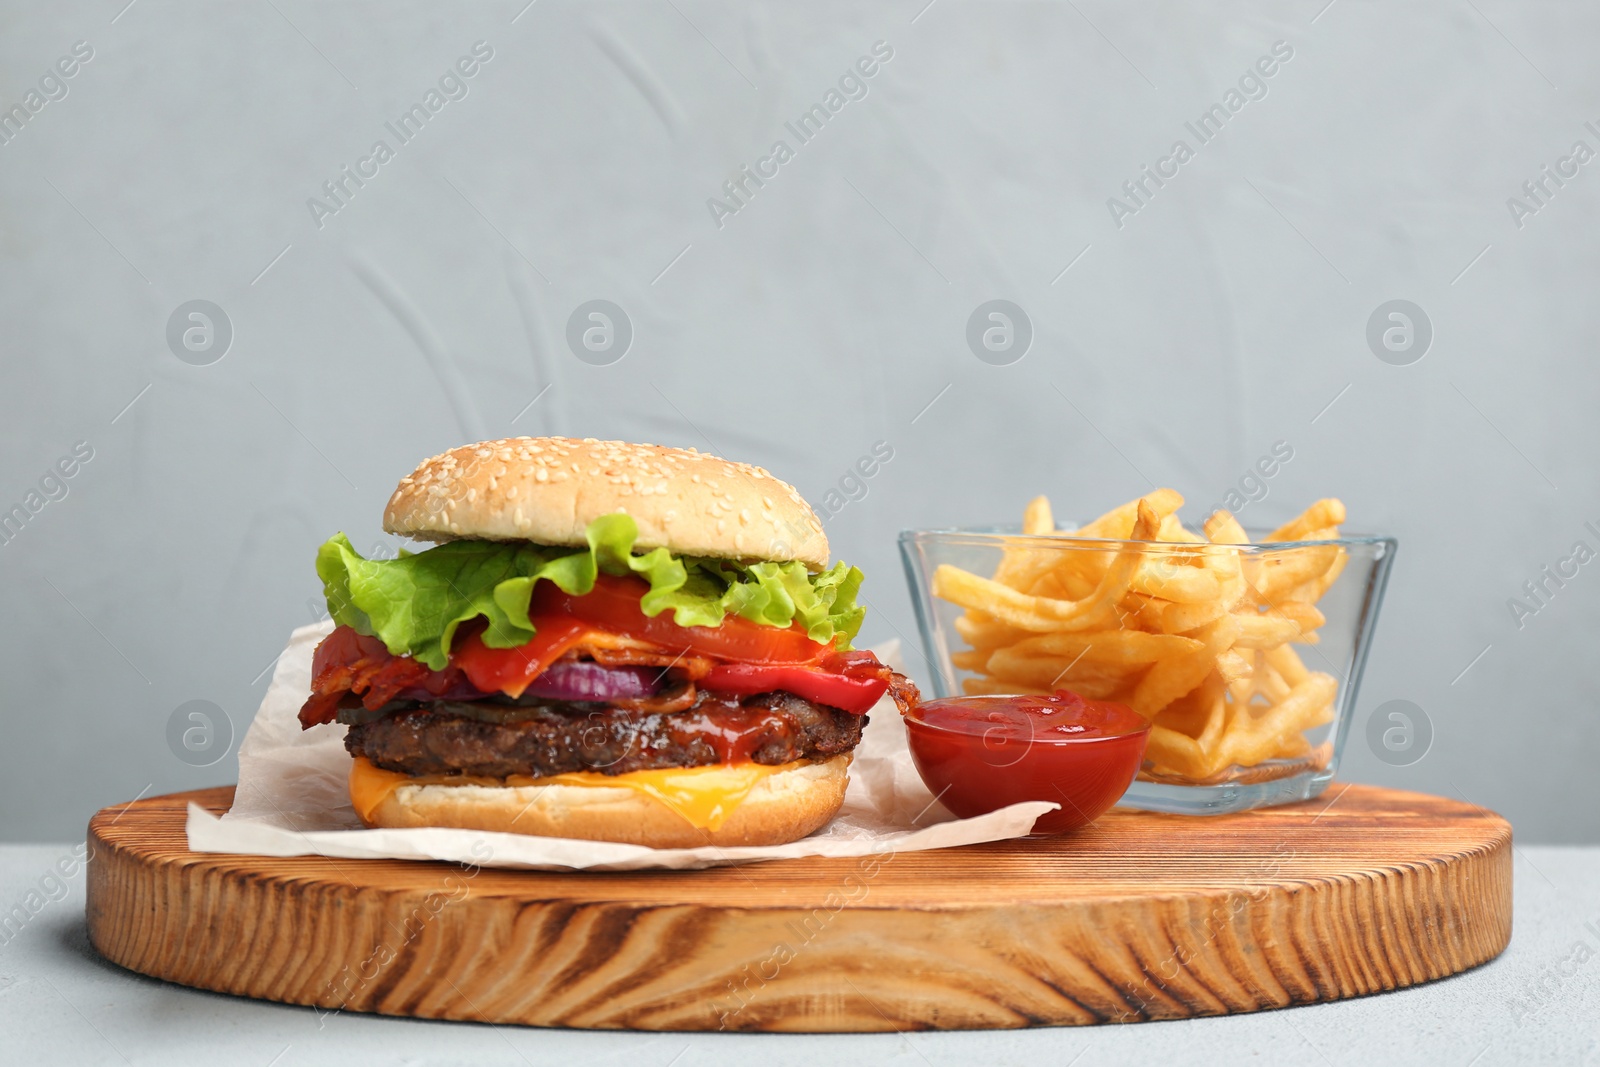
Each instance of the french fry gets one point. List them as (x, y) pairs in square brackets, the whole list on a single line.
[(1216, 707), (1042, 614), (1323, 715), (1024, 567), (1119, 575), (1047, 675), (1260, 747), (1291, 746), (1117, 524), (1240, 690), (1122, 524), (1221, 528), (1285, 662), (1271, 684), (1157, 616), (1264, 631), (974, 659), (1171, 579), (1324, 513), (1037, 517), (1175, 751), (1302, 706), (1171, 678), (1004, 603), (1281, 572), (1311, 592), (1126, 647), (1226, 564), (1305, 615), (1201, 714), (1234, 665), (1181, 618), (981, 630), (1062, 583), (1144, 612), (1017, 564), (1043, 668), (1172, 529), (1188, 715)]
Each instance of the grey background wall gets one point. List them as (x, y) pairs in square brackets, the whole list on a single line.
[(1227, 311)]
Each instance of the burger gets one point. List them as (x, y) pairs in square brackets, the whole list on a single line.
[(608, 641)]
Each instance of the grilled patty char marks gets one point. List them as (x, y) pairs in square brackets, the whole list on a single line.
[(771, 729)]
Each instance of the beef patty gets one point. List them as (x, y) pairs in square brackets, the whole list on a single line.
[(555, 738)]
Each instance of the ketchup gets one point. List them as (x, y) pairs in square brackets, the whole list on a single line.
[(734, 732), (979, 754)]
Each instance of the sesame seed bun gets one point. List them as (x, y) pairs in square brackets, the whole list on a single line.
[(548, 490), (783, 807)]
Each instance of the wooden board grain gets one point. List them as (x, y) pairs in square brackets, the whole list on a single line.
[(1141, 916)]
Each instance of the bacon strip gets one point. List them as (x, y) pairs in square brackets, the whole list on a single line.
[(693, 667), (679, 698), (347, 662), (902, 690)]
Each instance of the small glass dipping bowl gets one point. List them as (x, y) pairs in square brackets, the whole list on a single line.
[(978, 754)]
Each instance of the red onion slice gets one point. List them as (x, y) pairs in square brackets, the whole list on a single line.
[(577, 679)]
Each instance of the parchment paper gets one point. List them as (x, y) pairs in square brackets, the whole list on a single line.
[(292, 800)]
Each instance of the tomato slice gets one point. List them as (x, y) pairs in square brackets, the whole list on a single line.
[(613, 605), (855, 693), (510, 670)]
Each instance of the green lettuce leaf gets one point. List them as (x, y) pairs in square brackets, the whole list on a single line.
[(415, 603)]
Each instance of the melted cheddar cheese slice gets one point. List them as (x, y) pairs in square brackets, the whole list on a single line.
[(704, 797)]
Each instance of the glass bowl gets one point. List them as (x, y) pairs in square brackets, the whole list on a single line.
[(1245, 658)]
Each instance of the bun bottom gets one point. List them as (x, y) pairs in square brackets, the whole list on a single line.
[(783, 807)]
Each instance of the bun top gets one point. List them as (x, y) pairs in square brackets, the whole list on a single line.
[(548, 490)]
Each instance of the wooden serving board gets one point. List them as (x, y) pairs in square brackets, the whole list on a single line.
[(1141, 916)]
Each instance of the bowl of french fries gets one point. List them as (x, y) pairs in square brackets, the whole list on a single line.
[(1243, 649)]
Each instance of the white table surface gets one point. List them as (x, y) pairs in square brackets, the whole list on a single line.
[(1538, 1003)]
